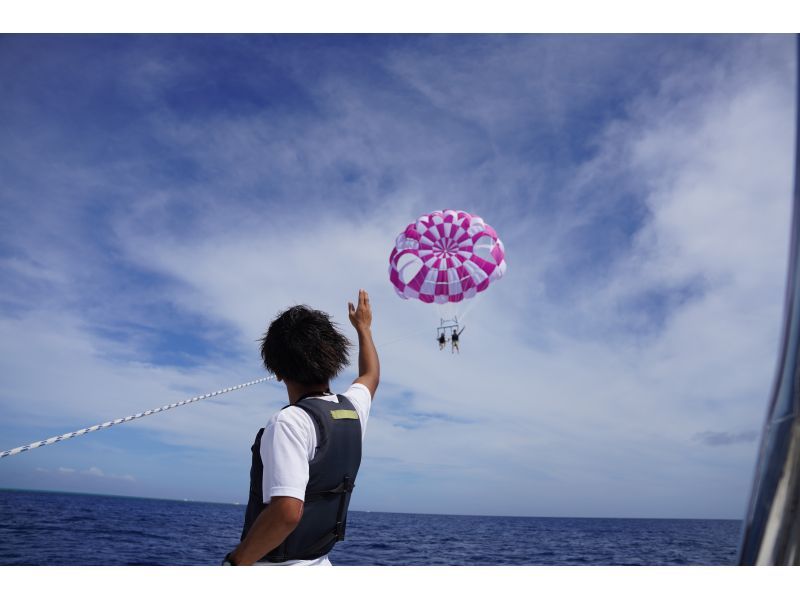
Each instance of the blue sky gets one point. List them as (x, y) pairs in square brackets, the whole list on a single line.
[(164, 197)]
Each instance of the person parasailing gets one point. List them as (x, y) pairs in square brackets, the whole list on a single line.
[(454, 336)]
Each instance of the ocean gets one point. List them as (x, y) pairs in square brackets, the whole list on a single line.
[(51, 528)]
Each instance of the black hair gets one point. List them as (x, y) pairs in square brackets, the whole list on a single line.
[(303, 345)]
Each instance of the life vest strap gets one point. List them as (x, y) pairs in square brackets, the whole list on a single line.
[(341, 519), (346, 486)]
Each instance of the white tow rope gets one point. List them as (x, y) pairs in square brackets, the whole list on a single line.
[(122, 420)]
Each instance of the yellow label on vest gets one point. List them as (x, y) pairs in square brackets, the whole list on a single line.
[(344, 414)]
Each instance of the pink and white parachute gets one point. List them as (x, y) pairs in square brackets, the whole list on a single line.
[(446, 257)]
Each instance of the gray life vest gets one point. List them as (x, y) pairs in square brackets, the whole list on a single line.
[(332, 475)]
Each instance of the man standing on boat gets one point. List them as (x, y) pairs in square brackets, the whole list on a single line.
[(306, 458)]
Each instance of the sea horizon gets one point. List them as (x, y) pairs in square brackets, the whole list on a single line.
[(377, 511)]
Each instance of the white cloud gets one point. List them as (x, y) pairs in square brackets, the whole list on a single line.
[(93, 471)]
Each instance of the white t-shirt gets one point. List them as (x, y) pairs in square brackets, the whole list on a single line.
[(289, 442)]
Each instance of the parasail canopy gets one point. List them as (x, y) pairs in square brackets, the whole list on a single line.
[(446, 257)]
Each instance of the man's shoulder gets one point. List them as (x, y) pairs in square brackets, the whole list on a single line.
[(359, 395), (358, 391)]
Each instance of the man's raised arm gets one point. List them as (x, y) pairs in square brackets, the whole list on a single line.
[(369, 368)]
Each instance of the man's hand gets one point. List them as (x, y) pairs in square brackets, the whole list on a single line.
[(361, 316)]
